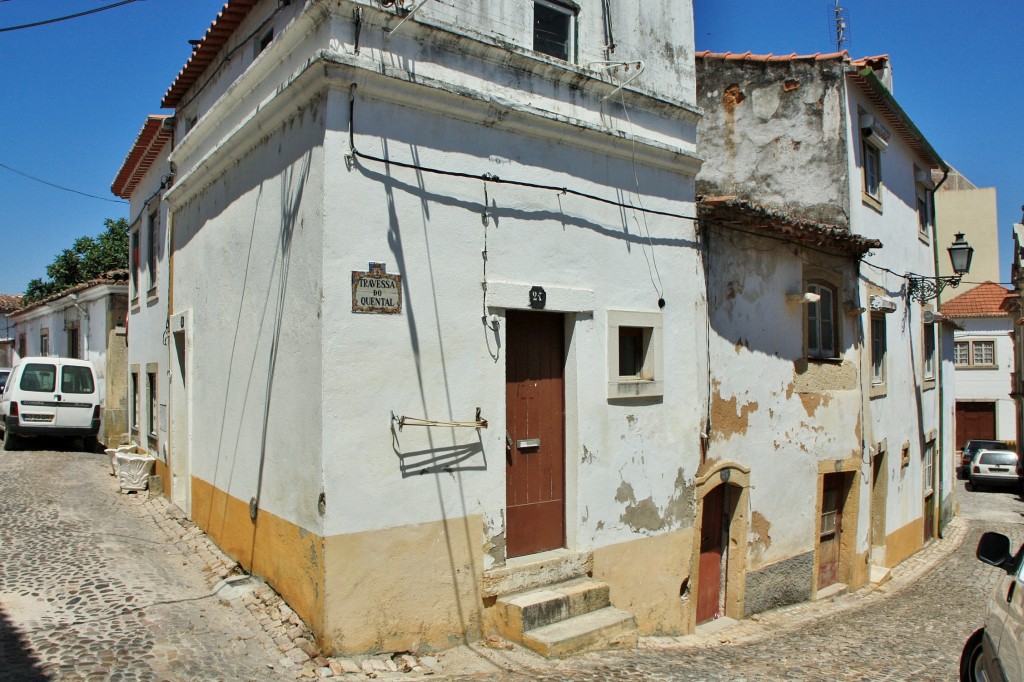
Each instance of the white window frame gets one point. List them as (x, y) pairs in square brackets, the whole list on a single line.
[(569, 10), (814, 319), (152, 256), (879, 349), (872, 176), (972, 354), (924, 192), (650, 380), (928, 467), (928, 354)]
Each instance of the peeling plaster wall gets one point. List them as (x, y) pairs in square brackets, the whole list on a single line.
[(797, 413), (774, 133), (272, 215)]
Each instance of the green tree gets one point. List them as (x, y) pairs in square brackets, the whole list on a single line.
[(87, 259)]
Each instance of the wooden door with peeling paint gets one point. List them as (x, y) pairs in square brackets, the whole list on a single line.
[(712, 549), (830, 530), (535, 441)]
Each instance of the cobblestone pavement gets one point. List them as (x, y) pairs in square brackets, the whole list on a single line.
[(88, 592), (911, 628), (100, 585)]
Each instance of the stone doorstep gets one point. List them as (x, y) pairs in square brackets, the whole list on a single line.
[(537, 571), (880, 575), (524, 611), (607, 628), (833, 590)]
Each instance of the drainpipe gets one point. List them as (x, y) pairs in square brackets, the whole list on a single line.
[(938, 376)]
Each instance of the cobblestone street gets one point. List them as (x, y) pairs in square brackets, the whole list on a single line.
[(100, 585)]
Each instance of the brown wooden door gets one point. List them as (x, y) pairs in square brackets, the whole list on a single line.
[(830, 530), (535, 442), (712, 546), (975, 421)]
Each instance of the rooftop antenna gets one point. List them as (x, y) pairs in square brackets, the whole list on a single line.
[(841, 21)]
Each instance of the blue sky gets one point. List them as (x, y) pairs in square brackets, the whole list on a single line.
[(74, 96), (76, 93)]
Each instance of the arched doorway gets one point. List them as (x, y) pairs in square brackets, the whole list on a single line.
[(718, 566)]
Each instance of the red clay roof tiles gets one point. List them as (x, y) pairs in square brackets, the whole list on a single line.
[(985, 300)]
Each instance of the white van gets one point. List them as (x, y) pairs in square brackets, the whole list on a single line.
[(50, 397)]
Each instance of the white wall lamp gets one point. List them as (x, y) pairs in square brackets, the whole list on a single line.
[(803, 298)]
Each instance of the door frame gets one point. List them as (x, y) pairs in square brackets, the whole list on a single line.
[(710, 475), (179, 399), (849, 572)]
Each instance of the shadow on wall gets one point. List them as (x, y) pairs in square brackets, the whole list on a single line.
[(440, 459), (17, 660)]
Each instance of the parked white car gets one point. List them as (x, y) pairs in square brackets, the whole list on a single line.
[(995, 652), (993, 467), (50, 397)]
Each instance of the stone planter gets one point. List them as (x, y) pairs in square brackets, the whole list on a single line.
[(122, 449), (133, 470)]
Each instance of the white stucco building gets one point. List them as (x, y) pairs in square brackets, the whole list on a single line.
[(143, 176), (84, 321), (434, 308), (820, 138), (984, 359)]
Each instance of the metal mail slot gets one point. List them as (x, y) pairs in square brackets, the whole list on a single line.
[(528, 443)]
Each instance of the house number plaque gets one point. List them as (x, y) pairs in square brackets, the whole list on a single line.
[(538, 297), (375, 291)]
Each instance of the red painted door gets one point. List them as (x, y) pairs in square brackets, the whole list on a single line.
[(830, 530), (712, 546), (535, 441), (975, 421)]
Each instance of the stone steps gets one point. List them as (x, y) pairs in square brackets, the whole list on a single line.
[(566, 618)]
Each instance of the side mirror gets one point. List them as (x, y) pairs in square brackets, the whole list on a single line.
[(994, 550)]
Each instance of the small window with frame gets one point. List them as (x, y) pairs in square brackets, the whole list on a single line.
[(929, 352), (822, 322), (554, 29), (634, 354)]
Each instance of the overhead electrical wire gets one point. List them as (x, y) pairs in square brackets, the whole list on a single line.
[(65, 18), (489, 177), (66, 189)]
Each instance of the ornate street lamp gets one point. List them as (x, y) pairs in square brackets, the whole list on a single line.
[(924, 289)]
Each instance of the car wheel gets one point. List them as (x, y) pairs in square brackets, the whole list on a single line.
[(10, 441), (970, 659), (89, 443)]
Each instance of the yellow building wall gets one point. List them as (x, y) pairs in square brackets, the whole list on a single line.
[(289, 558), (645, 577)]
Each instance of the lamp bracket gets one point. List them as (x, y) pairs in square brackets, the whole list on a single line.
[(924, 289)]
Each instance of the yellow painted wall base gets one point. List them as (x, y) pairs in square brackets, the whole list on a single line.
[(904, 542), (644, 577), (160, 469), (288, 557), (410, 588)]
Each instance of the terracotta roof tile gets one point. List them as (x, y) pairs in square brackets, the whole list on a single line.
[(113, 277), (985, 300), (9, 303), (876, 62), (150, 140), (206, 51), (738, 213)]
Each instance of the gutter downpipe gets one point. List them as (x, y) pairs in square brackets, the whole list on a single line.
[(942, 402)]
